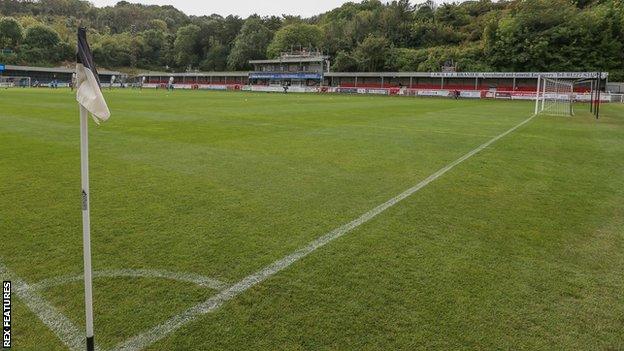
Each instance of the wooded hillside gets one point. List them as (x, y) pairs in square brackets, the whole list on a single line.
[(518, 35)]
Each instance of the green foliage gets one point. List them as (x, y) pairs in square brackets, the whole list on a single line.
[(114, 51), (185, 47), (10, 58), (124, 16), (537, 35), (158, 24), (345, 62), (518, 35), (452, 15), (216, 57), (251, 43), (425, 11), (431, 33), (11, 32), (294, 36), (155, 41), (41, 36), (405, 59), (371, 53), (42, 44), (520, 247)]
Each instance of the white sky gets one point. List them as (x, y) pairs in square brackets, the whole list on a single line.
[(243, 8)]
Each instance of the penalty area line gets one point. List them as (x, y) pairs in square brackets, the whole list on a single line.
[(153, 335)]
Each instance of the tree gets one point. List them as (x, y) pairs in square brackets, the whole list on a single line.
[(371, 53), (425, 11), (520, 35), (363, 24), (452, 14), (11, 32), (215, 58), (75, 8), (345, 62), (405, 60), (42, 37), (395, 21), (429, 33), (295, 36), (186, 46), (335, 39), (157, 24), (154, 46), (536, 36), (231, 27), (114, 51), (41, 44), (251, 43)]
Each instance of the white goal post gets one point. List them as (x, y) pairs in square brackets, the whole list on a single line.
[(554, 96), (14, 82)]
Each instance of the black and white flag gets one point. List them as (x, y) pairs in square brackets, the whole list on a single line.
[(88, 92)]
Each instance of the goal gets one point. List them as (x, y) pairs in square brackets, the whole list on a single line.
[(14, 82), (617, 98), (554, 97)]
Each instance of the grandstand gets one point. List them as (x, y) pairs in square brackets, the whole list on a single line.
[(506, 85), (502, 81), (195, 79), (45, 76), (309, 72), (312, 69), (299, 68)]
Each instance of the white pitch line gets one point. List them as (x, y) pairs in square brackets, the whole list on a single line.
[(196, 279), (60, 325), (149, 337)]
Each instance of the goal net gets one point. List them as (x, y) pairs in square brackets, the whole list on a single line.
[(617, 98), (14, 82), (554, 97)]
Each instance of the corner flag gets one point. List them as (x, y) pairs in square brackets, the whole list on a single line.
[(90, 99), (89, 94)]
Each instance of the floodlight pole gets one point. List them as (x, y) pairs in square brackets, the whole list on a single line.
[(86, 225)]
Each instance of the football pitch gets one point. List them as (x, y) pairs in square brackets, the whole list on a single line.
[(254, 221)]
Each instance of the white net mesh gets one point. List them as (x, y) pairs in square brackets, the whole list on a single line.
[(556, 97), (14, 82), (617, 98)]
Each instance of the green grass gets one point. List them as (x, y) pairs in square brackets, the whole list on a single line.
[(520, 247)]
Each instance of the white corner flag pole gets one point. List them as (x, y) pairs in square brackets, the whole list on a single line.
[(86, 224)]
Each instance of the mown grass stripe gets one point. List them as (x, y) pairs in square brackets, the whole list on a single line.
[(151, 336)]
